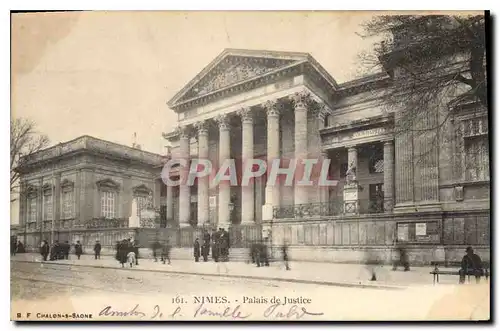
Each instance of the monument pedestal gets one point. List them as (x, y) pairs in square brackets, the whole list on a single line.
[(351, 201)]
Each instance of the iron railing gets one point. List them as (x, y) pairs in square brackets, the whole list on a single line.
[(334, 208)]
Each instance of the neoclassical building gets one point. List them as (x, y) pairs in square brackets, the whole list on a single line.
[(391, 188), (83, 190), (283, 105)]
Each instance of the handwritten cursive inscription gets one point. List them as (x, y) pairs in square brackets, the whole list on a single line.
[(235, 312), (108, 311), (278, 310)]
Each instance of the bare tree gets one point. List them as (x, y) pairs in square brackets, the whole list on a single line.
[(24, 140), (435, 62)]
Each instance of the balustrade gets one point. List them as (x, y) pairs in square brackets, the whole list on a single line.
[(334, 208)]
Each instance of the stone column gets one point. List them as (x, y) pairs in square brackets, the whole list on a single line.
[(224, 186), (184, 189), (388, 175), (23, 199), (403, 142), (170, 204), (273, 153), (351, 188), (324, 190), (300, 101), (203, 197), (57, 198), (39, 202), (247, 149)]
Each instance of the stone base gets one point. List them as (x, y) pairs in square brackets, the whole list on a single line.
[(134, 221), (267, 212), (428, 206)]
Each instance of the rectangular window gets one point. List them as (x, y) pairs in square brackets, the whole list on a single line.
[(32, 209), (67, 204), (477, 158), (108, 204), (47, 207), (142, 203)]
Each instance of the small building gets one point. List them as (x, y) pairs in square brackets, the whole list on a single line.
[(83, 190)]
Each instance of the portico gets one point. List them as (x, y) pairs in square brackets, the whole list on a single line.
[(270, 116)]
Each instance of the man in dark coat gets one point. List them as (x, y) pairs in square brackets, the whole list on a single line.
[(123, 250), (66, 249), (97, 250), (55, 251), (196, 252), (226, 244), (205, 250), (165, 252), (13, 246), (78, 249), (471, 265), (284, 251), (215, 246), (135, 249), (44, 249), (156, 249)]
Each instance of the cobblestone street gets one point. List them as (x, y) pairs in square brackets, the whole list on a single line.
[(92, 289)]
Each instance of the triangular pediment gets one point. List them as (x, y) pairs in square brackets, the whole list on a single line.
[(232, 67)]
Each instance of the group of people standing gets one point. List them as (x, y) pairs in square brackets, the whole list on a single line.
[(218, 242), (59, 251), (16, 246), (123, 248), (163, 250)]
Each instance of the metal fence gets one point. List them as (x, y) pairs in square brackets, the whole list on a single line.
[(334, 208)]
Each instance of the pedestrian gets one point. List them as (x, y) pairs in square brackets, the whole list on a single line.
[(78, 249), (44, 249), (156, 247), (135, 249), (165, 252), (97, 250), (225, 239), (403, 258), (55, 250), (13, 246), (66, 250), (196, 252), (205, 251), (284, 251), (123, 250), (471, 265), (215, 245)]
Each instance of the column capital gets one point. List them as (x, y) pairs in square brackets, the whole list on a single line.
[(182, 132), (223, 122), (321, 111), (272, 108), (388, 141), (301, 99), (245, 114), (351, 147), (202, 128)]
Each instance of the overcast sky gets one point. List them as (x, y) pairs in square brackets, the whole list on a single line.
[(110, 74)]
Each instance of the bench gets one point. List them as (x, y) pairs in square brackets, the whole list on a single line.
[(436, 272)]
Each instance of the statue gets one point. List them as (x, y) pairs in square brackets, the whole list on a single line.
[(133, 221), (351, 173)]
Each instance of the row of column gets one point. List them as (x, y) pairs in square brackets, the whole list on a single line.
[(301, 102)]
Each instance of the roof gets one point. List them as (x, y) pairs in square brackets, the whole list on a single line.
[(91, 144)]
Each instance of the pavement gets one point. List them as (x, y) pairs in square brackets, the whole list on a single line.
[(332, 274)]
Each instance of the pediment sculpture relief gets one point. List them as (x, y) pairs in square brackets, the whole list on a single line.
[(229, 74)]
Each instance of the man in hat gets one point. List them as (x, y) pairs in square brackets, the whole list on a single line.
[(97, 250), (471, 265)]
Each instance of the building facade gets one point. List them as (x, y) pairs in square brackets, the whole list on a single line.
[(428, 191), (83, 190)]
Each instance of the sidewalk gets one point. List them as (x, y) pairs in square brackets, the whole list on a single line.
[(333, 274)]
